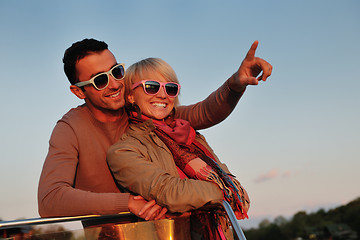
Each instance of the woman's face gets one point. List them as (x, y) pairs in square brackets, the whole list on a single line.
[(157, 106)]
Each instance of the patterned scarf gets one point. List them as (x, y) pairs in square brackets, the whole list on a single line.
[(194, 159)]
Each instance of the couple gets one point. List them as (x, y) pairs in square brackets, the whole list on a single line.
[(76, 179)]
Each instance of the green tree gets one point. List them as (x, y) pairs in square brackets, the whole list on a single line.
[(280, 221), (301, 222)]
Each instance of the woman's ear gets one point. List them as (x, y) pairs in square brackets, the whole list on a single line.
[(77, 91), (130, 98)]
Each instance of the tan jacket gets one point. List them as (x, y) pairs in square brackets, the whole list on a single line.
[(143, 164)]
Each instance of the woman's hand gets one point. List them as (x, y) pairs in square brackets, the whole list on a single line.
[(147, 210)]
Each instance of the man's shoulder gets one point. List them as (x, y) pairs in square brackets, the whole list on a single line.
[(76, 115), (78, 119), (76, 122)]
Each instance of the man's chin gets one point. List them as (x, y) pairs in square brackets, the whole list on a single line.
[(117, 105)]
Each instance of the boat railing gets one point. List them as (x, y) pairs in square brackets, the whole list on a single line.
[(125, 226)]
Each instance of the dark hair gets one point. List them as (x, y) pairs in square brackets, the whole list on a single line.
[(76, 52)]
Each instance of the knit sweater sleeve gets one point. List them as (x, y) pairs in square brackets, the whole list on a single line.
[(211, 111), (57, 195)]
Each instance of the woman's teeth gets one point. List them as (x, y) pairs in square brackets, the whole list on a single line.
[(159, 105)]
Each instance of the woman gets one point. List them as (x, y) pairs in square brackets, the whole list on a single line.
[(163, 158)]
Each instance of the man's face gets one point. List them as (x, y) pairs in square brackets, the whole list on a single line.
[(111, 98)]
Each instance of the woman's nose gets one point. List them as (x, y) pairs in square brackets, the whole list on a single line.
[(161, 92)]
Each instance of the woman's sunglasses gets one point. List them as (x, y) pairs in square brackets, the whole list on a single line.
[(152, 87), (101, 80)]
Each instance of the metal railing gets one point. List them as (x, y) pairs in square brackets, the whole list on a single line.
[(114, 219), (234, 223), (40, 221)]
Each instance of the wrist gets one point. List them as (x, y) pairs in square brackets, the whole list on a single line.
[(234, 84)]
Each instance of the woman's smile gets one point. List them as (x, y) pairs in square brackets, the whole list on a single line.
[(158, 106)]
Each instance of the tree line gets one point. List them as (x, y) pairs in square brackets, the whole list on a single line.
[(339, 223)]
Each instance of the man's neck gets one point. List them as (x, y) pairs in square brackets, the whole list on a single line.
[(106, 115)]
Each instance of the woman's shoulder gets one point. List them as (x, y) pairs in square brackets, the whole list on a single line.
[(142, 128), (136, 135)]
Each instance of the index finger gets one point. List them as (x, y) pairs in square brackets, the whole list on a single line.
[(147, 206), (152, 211), (161, 214), (251, 53)]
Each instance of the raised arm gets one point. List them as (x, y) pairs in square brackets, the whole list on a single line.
[(219, 104)]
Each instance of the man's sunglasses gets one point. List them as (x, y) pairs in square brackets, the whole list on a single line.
[(101, 80), (152, 87)]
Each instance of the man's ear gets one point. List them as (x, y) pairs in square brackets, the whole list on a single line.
[(77, 91)]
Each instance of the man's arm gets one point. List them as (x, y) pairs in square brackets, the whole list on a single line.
[(211, 111), (222, 102), (57, 195)]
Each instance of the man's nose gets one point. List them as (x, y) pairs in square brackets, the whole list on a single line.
[(114, 83)]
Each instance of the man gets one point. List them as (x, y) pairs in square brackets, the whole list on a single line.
[(75, 179)]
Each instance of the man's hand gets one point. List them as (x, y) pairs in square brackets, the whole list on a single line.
[(249, 70), (147, 210)]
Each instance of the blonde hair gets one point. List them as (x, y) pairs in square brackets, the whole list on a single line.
[(137, 71)]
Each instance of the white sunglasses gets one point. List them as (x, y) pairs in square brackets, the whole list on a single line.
[(101, 80)]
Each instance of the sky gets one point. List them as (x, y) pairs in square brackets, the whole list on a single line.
[(292, 141)]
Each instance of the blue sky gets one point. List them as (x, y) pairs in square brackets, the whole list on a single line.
[(291, 141)]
